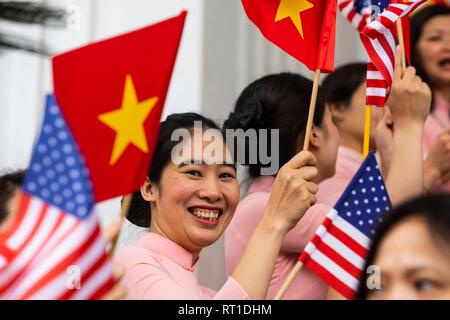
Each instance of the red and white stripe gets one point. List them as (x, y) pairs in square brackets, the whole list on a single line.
[(379, 40), (347, 8), (337, 254), (44, 243)]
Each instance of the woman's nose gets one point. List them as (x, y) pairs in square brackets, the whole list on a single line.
[(210, 190)]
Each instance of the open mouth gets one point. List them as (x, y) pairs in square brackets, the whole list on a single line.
[(206, 215), (444, 63)]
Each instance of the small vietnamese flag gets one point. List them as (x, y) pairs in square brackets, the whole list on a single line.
[(305, 29), (112, 94)]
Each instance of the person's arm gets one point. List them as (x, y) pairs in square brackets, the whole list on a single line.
[(409, 104), (437, 162), (292, 194)]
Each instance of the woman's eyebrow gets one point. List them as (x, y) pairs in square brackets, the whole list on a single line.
[(228, 165), (434, 30), (201, 162), (414, 270), (190, 161)]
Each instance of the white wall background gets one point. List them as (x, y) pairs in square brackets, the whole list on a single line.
[(220, 53)]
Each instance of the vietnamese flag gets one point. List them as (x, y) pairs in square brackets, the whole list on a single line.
[(112, 94), (305, 29)]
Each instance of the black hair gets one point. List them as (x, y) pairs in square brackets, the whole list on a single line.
[(139, 211), (9, 184), (418, 22), (276, 101), (435, 211), (340, 85)]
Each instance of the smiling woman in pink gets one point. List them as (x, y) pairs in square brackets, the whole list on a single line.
[(190, 196)]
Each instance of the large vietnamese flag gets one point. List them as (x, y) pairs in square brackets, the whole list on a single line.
[(111, 94), (305, 29)]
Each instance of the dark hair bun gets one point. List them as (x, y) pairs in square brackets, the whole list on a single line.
[(251, 117)]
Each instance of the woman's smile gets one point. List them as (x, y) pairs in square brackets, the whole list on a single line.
[(208, 215)]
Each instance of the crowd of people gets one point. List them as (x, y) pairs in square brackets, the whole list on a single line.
[(190, 200)]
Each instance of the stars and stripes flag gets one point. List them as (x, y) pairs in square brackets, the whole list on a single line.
[(54, 249), (357, 12), (379, 40), (337, 251)]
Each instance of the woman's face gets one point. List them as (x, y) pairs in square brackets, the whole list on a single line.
[(412, 265), (351, 124), (194, 202), (434, 49), (327, 153)]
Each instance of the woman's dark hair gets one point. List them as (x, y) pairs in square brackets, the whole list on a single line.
[(139, 211), (418, 22), (340, 85), (277, 101), (9, 183), (435, 211)]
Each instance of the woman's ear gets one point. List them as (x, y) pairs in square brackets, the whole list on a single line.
[(148, 191), (316, 137)]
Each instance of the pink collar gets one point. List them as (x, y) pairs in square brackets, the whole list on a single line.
[(349, 154), (168, 248)]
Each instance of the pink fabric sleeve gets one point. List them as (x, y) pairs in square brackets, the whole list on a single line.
[(297, 238)]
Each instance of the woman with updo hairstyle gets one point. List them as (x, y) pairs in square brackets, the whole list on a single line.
[(187, 202), (281, 102)]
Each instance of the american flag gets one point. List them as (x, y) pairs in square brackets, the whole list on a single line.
[(54, 250), (379, 40), (357, 12), (337, 251)]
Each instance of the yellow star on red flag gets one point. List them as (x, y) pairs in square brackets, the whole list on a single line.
[(292, 9), (128, 121)]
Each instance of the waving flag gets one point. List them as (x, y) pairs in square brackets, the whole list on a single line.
[(357, 12), (112, 95), (304, 29), (379, 40), (337, 251), (55, 250)]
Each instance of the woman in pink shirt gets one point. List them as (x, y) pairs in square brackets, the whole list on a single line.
[(281, 101), (430, 45), (345, 94), (190, 196)]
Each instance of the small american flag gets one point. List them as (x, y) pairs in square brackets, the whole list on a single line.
[(337, 251), (379, 40), (357, 12), (54, 250)]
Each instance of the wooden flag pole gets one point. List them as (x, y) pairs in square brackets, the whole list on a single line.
[(123, 214), (401, 42), (312, 108), (366, 143)]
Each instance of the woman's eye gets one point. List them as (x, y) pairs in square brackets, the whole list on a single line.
[(194, 173), (434, 38), (226, 176), (424, 285)]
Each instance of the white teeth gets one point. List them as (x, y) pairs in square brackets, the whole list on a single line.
[(210, 215)]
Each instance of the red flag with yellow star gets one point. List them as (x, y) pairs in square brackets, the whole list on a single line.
[(112, 94), (305, 29)]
